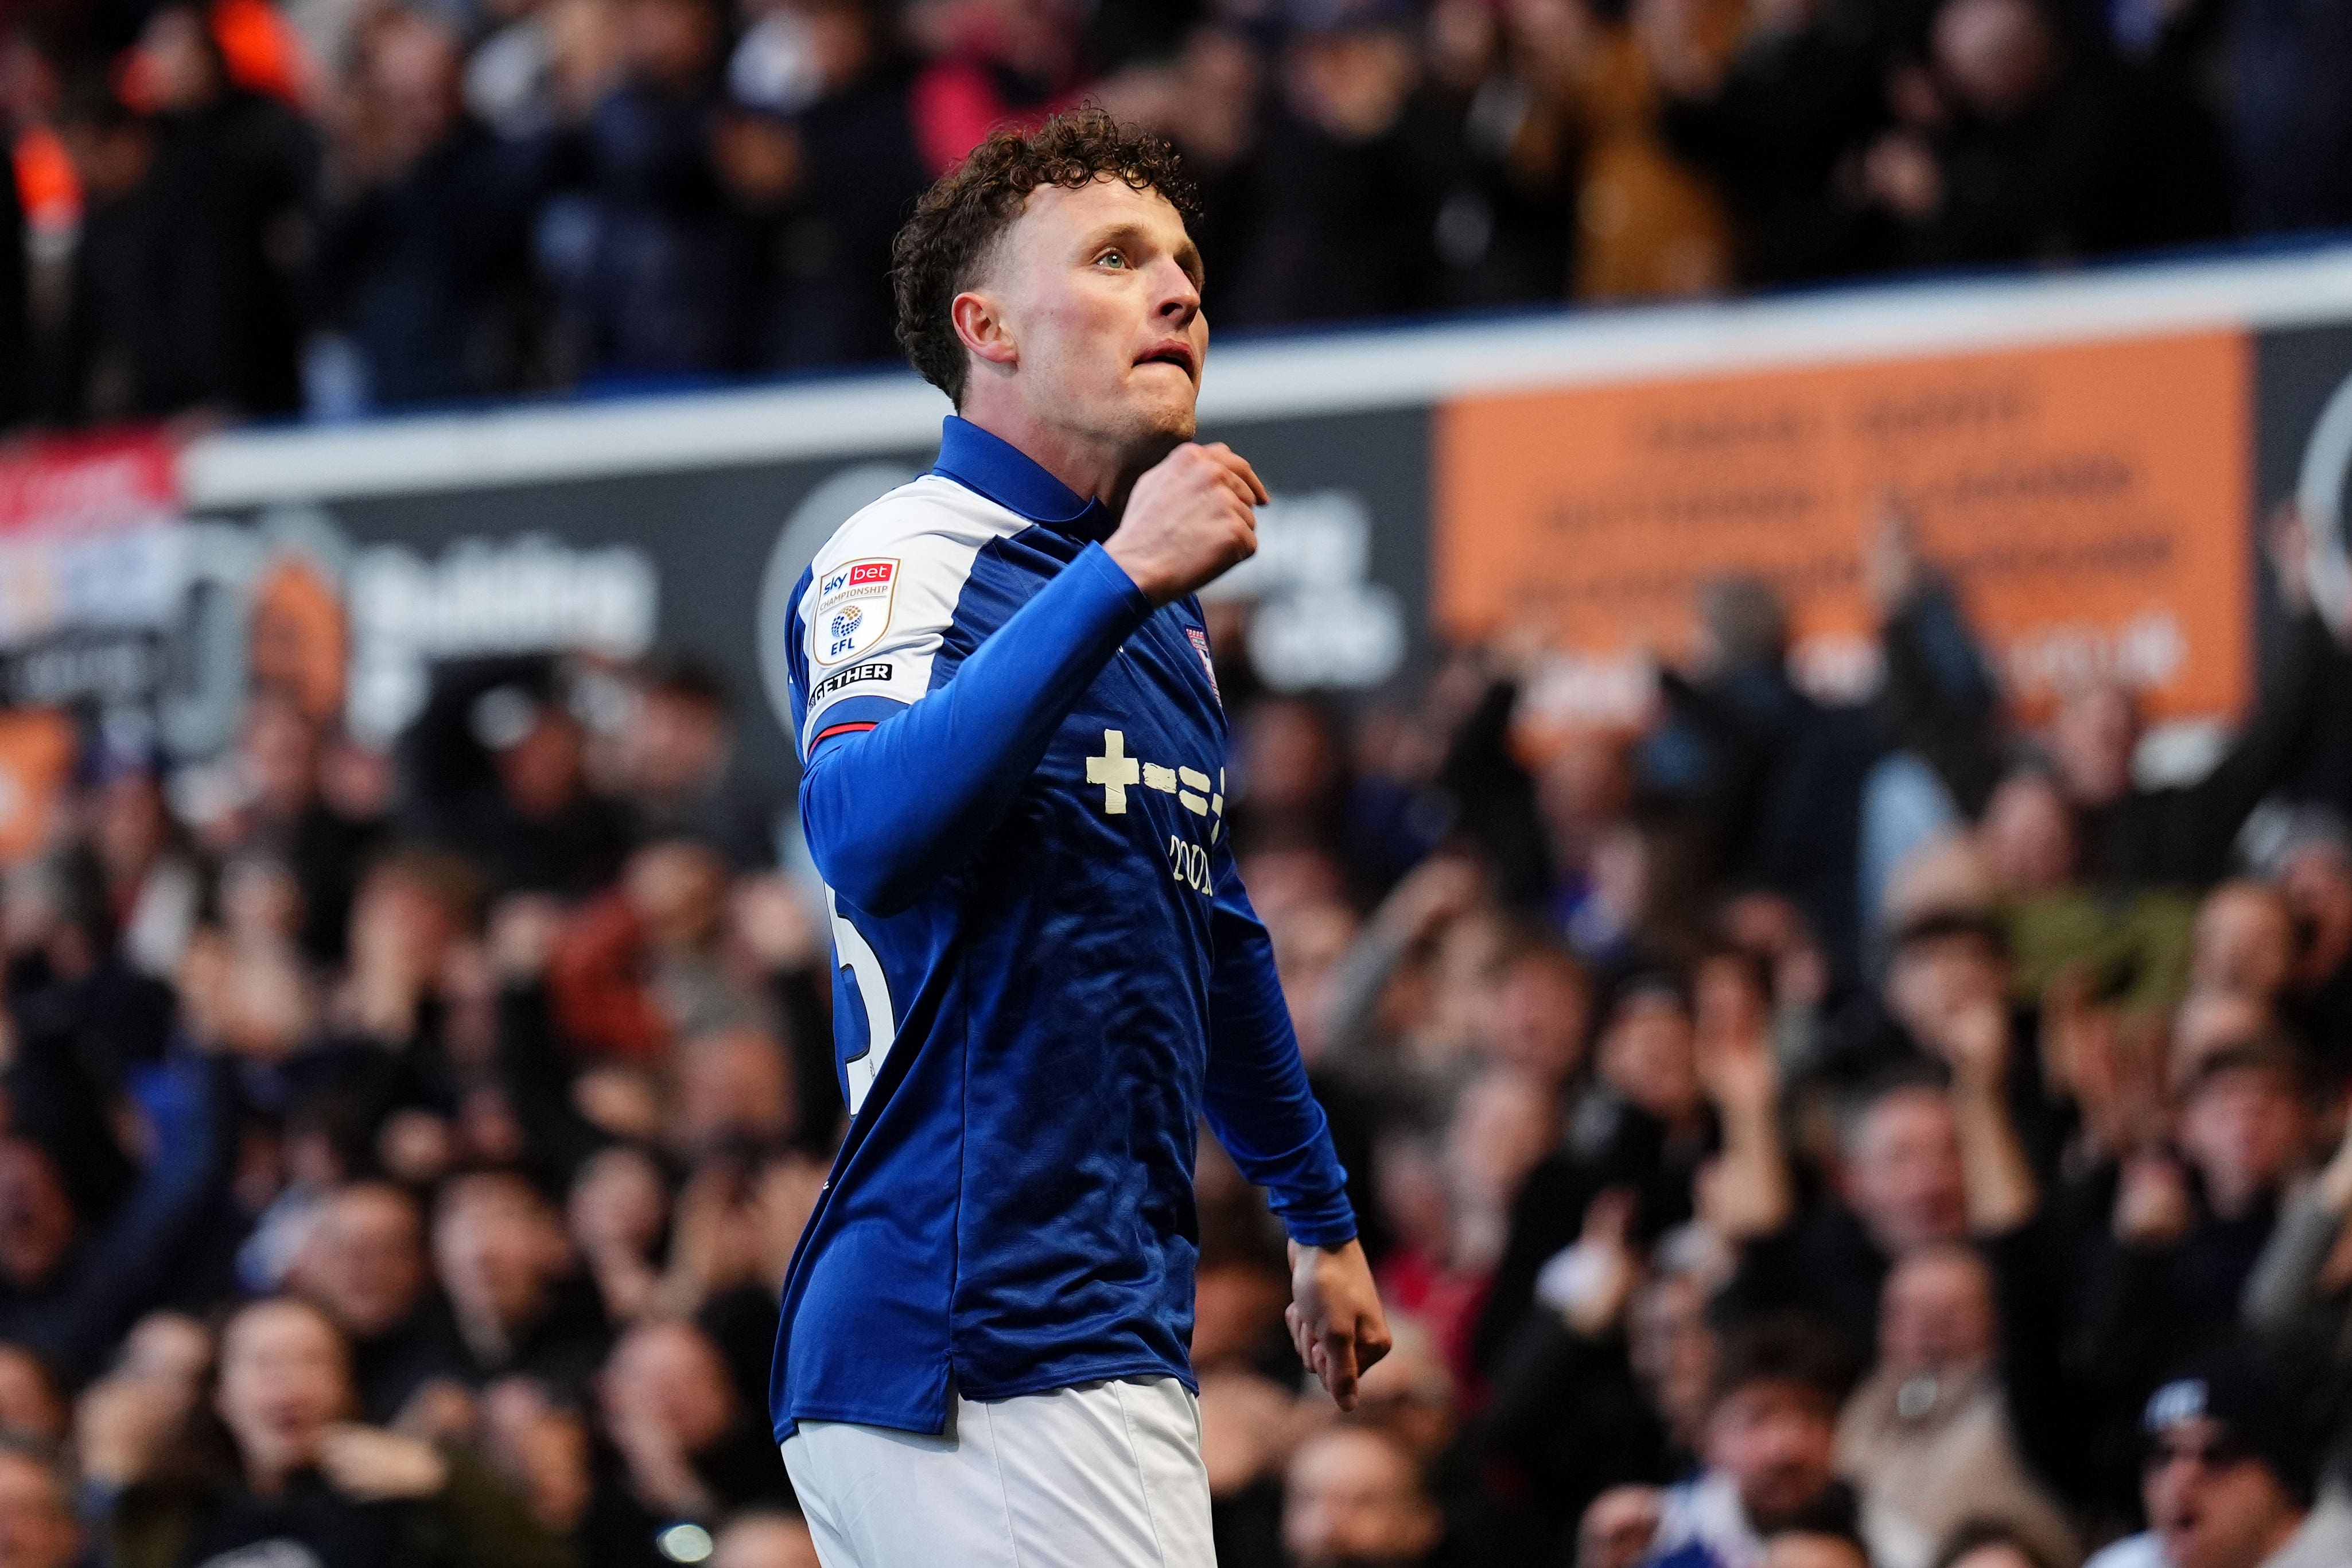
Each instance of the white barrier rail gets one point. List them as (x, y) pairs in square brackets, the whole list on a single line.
[(1291, 374)]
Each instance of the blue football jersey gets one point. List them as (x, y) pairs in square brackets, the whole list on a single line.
[(1047, 971)]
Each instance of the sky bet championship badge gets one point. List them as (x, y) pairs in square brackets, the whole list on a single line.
[(853, 608)]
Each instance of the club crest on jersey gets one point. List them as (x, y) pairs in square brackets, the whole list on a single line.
[(853, 608), (1201, 645)]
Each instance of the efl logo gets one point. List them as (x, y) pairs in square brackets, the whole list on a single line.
[(853, 608)]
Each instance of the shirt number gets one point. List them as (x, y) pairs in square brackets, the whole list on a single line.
[(854, 954)]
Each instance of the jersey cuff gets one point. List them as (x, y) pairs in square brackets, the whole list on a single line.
[(1323, 1232), (850, 715)]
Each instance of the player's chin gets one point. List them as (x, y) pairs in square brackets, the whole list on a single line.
[(1163, 411), (1153, 432)]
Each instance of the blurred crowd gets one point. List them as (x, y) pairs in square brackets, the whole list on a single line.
[(264, 207), (1788, 1135)]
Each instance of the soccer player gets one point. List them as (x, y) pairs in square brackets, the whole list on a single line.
[(1049, 973)]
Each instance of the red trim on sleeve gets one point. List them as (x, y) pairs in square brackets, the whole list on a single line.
[(840, 729)]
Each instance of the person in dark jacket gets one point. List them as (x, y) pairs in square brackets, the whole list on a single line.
[(364, 1263), (675, 764), (1771, 1441), (1802, 92), (2129, 836), (289, 818), (660, 287), (16, 317), (84, 1020), (1771, 778), (1343, 201), (823, 189), (516, 1303), (421, 248), (681, 1447), (192, 274), (2018, 150), (2291, 113), (2164, 1247), (494, 769), (69, 1290), (1920, 1166), (274, 1471)]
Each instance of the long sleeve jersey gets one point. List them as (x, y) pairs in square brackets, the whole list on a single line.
[(1047, 972)]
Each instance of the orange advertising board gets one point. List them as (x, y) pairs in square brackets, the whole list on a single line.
[(37, 753), (2090, 500)]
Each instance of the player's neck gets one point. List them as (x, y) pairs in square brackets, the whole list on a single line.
[(1090, 464)]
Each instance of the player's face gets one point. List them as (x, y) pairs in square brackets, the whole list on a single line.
[(1099, 289)]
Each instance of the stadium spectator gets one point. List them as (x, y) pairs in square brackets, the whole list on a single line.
[(2313, 872), (825, 167), (1343, 209), (2009, 147), (2291, 117), (1636, 1357), (32, 1406), (684, 1447), (1355, 1501), (1770, 1433), (15, 307), (517, 196), (2131, 837), (1773, 127), (1772, 778), (272, 1465), (516, 1302), (2244, 941), (70, 1285), (1980, 1545), (2187, 1234), (204, 286), (653, 282), (1927, 1438), (364, 1264), (497, 771), (2228, 1476), (287, 816), (421, 252), (2296, 1300), (1815, 1549), (37, 1528), (672, 763), (765, 1539), (1919, 1168)]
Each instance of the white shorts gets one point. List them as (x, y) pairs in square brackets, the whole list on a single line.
[(1108, 1475)]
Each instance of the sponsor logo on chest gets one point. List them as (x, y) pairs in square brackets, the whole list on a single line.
[(1114, 772)]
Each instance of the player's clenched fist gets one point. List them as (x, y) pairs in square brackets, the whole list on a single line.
[(1190, 518)]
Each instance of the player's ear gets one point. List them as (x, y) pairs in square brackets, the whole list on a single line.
[(979, 322)]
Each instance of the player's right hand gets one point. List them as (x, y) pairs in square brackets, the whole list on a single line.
[(1335, 1316), (1189, 520)]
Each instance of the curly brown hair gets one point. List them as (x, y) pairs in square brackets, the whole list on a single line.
[(960, 219)]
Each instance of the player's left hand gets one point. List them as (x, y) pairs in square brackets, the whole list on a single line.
[(1335, 1316)]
